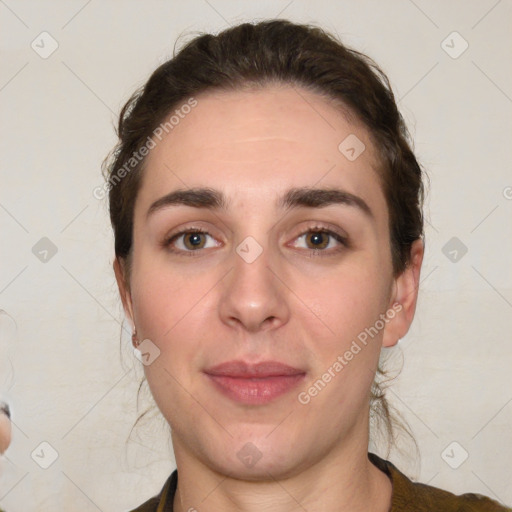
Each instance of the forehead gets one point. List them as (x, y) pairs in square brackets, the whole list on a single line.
[(258, 142)]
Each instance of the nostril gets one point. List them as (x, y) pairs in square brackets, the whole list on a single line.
[(5, 409)]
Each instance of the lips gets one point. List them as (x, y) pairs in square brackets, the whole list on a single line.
[(254, 383), (240, 369)]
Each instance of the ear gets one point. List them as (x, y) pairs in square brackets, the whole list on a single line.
[(404, 296), (124, 288)]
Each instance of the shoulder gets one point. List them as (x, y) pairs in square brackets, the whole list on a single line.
[(417, 497), (425, 497), (163, 501)]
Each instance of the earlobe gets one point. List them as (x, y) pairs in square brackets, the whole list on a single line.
[(405, 294), (124, 289)]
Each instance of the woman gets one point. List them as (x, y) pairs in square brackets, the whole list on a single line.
[(266, 208)]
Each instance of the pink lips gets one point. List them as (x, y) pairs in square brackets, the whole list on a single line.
[(254, 383)]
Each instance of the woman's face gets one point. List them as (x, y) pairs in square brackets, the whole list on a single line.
[(262, 285)]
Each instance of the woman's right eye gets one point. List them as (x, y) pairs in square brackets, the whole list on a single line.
[(188, 241)]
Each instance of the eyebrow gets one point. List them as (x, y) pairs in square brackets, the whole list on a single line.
[(301, 197)]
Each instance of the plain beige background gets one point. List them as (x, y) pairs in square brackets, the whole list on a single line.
[(74, 382)]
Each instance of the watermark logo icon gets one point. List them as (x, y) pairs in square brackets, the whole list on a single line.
[(44, 250), (249, 455), (44, 45), (44, 455), (351, 147), (146, 352), (454, 249), (454, 45), (454, 455), (249, 249)]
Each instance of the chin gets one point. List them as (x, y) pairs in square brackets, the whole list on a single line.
[(261, 471), (256, 458)]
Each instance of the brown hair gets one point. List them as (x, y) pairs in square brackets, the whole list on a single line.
[(255, 55)]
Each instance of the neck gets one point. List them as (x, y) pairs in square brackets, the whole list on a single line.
[(342, 481)]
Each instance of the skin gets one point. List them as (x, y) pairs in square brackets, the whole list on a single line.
[(291, 304), (5, 432)]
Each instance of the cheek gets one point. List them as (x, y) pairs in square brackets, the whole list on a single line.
[(172, 309), (162, 299), (343, 340), (346, 302), (165, 308)]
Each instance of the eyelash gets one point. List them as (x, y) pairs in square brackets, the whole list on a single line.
[(312, 229)]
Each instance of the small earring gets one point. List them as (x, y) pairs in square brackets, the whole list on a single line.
[(135, 341)]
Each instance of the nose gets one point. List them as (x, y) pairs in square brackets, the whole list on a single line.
[(254, 295)]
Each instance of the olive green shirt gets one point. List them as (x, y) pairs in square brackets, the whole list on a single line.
[(407, 496)]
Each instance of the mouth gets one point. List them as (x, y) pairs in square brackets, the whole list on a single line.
[(254, 384)]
